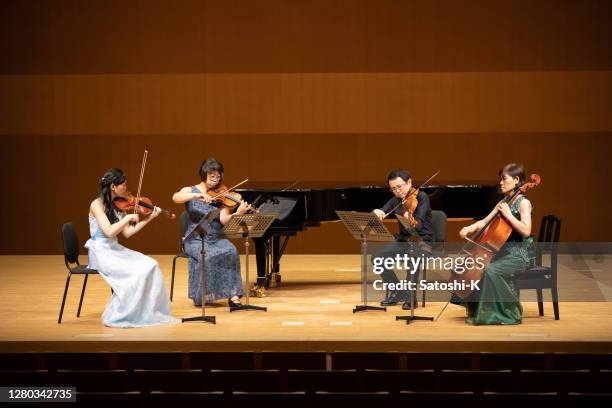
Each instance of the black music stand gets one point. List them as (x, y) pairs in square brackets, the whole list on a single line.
[(364, 227), (426, 248), (248, 226), (201, 231)]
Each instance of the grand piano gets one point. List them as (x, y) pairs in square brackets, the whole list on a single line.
[(315, 203)]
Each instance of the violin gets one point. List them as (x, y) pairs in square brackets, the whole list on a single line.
[(144, 207), (226, 197), (486, 242), (223, 196), (409, 205), (410, 202)]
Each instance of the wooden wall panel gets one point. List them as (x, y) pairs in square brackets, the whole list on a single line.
[(58, 175), (335, 91), (306, 103), (241, 36)]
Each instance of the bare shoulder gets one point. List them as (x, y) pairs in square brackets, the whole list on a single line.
[(96, 205), (185, 190), (525, 204)]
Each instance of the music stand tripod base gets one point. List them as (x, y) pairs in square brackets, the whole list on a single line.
[(365, 227), (363, 308), (201, 231), (248, 307), (207, 319), (409, 319)]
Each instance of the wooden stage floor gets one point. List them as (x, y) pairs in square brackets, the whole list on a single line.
[(311, 311)]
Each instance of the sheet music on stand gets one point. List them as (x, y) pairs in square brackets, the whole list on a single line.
[(253, 224), (365, 227), (368, 224), (280, 206), (248, 226), (423, 246)]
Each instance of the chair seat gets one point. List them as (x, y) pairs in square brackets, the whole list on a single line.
[(438, 253), (181, 255), (82, 270), (536, 272)]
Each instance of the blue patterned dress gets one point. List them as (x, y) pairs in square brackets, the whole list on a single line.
[(223, 279), (139, 294)]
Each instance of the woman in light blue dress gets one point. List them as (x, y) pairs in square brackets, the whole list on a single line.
[(139, 294), (223, 279)]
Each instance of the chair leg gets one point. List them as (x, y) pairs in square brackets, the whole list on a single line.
[(61, 313), (172, 280), (82, 295), (425, 279), (555, 299), (540, 302)]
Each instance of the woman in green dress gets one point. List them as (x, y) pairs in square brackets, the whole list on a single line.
[(497, 302)]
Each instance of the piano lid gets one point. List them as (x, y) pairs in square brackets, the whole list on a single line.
[(365, 184)]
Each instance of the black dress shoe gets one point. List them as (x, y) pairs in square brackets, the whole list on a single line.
[(388, 302), (406, 305), (231, 303)]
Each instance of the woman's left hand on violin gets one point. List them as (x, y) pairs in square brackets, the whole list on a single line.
[(243, 208), (156, 211), (504, 210)]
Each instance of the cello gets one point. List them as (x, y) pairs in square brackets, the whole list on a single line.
[(488, 241)]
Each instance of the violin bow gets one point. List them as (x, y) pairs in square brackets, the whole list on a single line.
[(232, 188), (420, 187), (256, 201), (142, 169), (291, 185)]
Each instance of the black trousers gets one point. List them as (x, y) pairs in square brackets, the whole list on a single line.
[(391, 250)]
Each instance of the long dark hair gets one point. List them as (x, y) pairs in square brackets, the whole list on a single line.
[(112, 176)]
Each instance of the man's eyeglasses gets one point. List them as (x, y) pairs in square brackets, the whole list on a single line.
[(397, 188)]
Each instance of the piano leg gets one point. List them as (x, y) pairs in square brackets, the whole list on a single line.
[(261, 255), (268, 253), (275, 278)]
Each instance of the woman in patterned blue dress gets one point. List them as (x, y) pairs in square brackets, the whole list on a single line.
[(139, 295), (223, 279)]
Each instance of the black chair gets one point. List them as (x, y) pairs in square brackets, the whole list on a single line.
[(93, 380), (239, 360), (395, 381), (148, 381), (97, 399), (244, 380), (71, 257), (439, 221), (151, 361), (342, 360), (183, 230), (285, 360), (78, 361), (541, 277), (311, 381)]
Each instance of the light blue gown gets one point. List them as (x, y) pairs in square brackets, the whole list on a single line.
[(139, 294)]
